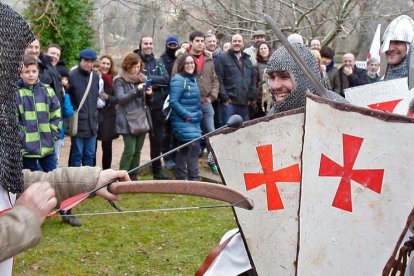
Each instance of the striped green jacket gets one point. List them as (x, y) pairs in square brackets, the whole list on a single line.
[(39, 115)]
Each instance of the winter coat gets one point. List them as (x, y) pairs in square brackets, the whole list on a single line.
[(259, 72), (88, 114), (107, 115), (39, 117), (128, 100), (186, 107), (20, 227), (67, 112), (333, 76), (50, 75), (357, 78), (237, 83), (154, 69)]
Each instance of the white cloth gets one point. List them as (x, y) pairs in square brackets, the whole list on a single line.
[(233, 260), (7, 201)]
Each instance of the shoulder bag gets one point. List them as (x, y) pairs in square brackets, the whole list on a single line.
[(139, 119), (73, 121)]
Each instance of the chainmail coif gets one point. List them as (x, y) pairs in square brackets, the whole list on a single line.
[(15, 36), (282, 61)]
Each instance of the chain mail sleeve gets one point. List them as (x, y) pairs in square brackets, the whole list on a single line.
[(15, 36)]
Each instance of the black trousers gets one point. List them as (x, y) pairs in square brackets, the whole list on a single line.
[(106, 154), (186, 162), (156, 136)]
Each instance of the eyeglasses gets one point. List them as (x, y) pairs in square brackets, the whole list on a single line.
[(189, 63)]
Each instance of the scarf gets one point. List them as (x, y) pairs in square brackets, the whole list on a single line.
[(108, 86)]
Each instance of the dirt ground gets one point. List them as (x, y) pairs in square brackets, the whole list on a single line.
[(117, 149)]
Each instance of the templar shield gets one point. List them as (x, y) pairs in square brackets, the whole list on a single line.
[(392, 96), (357, 188), (263, 161)]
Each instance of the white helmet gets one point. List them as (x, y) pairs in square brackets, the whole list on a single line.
[(400, 29)]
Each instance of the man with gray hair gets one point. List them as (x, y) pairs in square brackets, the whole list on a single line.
[(372, 69)]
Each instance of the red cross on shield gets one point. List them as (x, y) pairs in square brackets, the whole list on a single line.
[(270, 177), (369, 178)]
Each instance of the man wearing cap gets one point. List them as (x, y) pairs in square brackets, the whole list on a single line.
[(83, 144), (396, 43), (258, 36)]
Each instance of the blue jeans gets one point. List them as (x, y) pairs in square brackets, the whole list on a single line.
[(44, 164), (207, 121), (58, 146), (82, 151), (231, 109)]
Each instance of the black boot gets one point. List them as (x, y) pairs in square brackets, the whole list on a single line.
[(160, 176), (70, 219)]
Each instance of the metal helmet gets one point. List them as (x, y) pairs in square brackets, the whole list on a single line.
[(400, 29)]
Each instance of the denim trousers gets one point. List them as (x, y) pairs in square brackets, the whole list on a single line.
[(231, 109), (207, 122), (45, 164), (82, 151)]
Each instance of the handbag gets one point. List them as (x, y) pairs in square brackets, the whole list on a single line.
[(73, 121), (139, 120)]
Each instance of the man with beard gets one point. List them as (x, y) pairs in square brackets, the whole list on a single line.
[(258, 36), (289, 86), (154, 69), (288, 83), (373, 69), (396, 42), (236, 76)]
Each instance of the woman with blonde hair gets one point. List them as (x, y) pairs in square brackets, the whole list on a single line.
[(131, 96)]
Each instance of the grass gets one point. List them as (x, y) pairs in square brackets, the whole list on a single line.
[(148, 243)]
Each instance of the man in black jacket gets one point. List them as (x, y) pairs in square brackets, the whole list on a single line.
[(168, 58), (350, 75), (235, 73), (47, 72), (154, 69)]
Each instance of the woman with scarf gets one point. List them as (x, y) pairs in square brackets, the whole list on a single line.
[(107, 114), (130, 96)]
